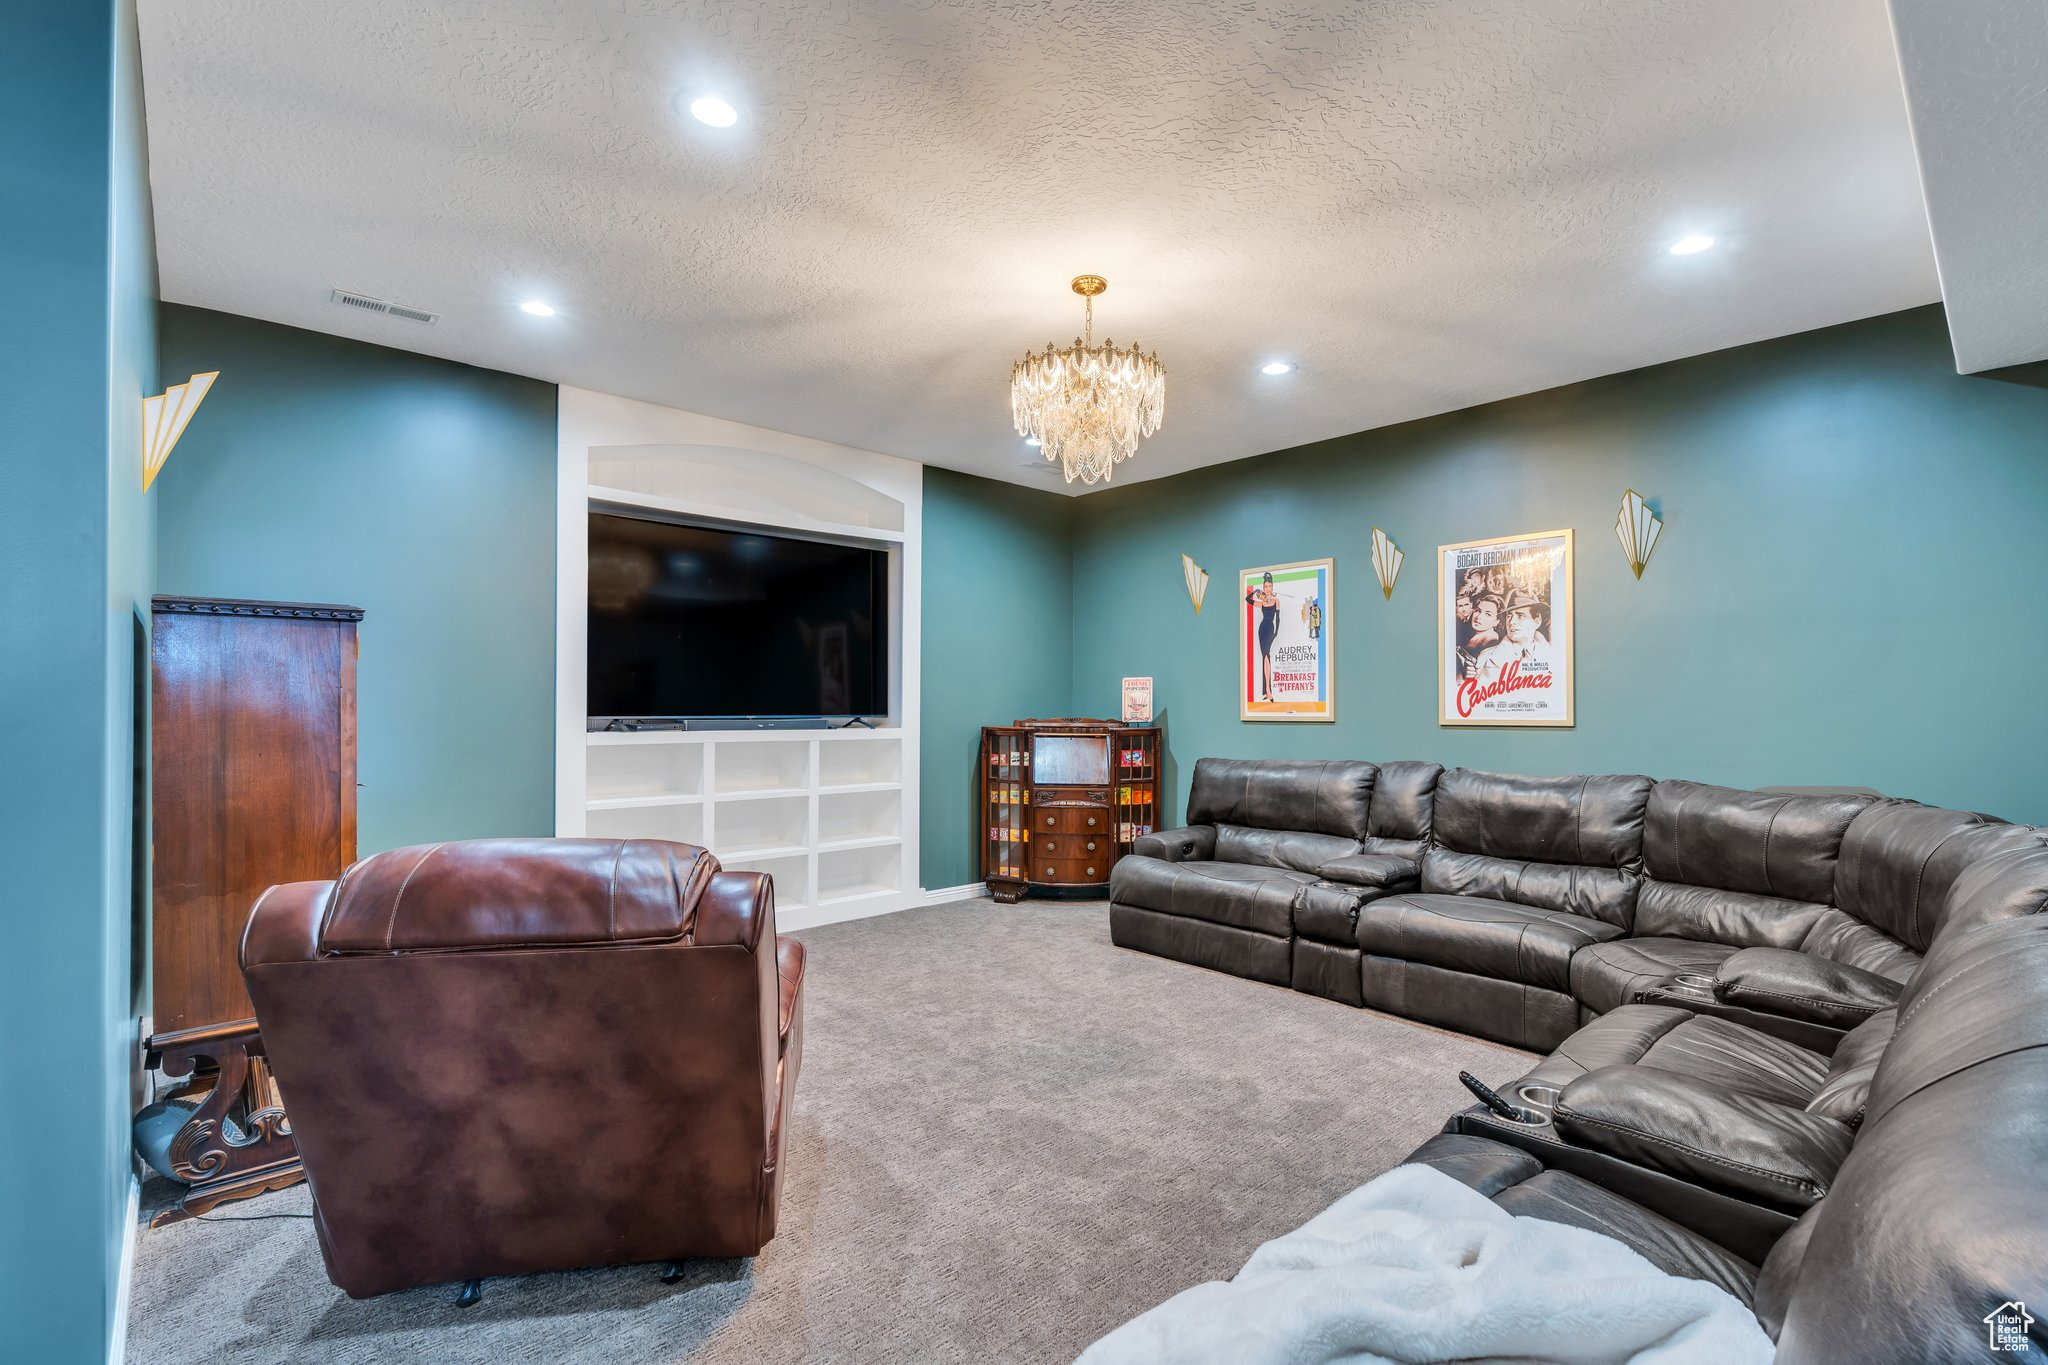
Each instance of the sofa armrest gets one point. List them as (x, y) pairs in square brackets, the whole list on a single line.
[(789, 980), (1195, 843), (737, 909), (1721, 1139), (1804, 986), (1385, 871), (284, 924)]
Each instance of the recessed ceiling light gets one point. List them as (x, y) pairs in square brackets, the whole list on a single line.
[(1686, 246), (1276, 367), (1032, 441), (714, 111), (537, 308)]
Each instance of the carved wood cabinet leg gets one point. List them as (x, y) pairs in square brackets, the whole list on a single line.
[(238, 1141)]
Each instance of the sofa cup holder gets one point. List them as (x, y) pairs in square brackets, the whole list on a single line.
[(1532, 1105), (1697, 982)]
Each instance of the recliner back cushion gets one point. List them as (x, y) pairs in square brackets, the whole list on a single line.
[(515, 893), (1592, 821), (2007, 882), (1708, 914), (1764, 843), (1573, 844), (1747, 869), (1900, 861), (1403, 802), (1316, 796)]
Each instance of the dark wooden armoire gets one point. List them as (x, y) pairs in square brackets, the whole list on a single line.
[(253, 753)]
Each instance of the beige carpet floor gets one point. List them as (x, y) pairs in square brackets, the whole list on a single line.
[(1009, 1137)]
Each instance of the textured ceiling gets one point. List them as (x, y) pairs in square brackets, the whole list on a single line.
[(1426, 203)]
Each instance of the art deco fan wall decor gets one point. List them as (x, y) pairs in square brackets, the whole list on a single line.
[(164, 419), (1386, 562), (1637, 528), (1198, 581)]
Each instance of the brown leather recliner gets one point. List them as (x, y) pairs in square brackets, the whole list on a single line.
[(503, 1056)]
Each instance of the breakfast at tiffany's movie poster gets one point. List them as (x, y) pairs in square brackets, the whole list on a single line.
[(1504, 631), (1286, 669)]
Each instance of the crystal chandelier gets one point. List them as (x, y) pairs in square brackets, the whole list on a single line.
[(1088, 406)]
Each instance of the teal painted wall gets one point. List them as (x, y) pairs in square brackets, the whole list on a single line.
[(75, 562), (998, 616), (423, 491), (1844, 592)]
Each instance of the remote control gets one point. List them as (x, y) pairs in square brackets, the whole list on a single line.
[(1487, 1097)]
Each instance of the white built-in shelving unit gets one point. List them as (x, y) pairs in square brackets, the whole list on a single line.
[(831, 815), (821, 811)]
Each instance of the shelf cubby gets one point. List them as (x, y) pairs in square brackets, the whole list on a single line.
[(682, 822), (791, 873), (770, 765), (645, 770), (748, 826), (859, 815), (846, 762), (851, 873)]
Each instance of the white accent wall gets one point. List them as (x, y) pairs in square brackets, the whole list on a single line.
[(830, 814)]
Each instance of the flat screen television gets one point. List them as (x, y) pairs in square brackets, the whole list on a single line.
[(701, 621)]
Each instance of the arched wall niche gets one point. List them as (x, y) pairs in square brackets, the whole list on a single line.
[(745, 485)]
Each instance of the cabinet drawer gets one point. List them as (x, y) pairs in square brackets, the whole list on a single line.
[(1071, 819), (1069, 871), (1086, 844)]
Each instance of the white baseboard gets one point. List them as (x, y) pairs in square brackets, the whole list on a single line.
[(117, 1345), (811, 916)]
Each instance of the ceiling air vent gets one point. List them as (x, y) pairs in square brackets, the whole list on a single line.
[(369, 305)]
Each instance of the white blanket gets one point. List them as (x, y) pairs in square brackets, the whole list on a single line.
[(1414, 1267)]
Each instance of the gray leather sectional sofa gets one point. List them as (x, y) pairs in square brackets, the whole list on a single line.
[(1518, 908), (1798, 1043)]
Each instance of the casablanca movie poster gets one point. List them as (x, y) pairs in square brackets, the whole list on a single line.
[(1504, 631), (1285, 666)]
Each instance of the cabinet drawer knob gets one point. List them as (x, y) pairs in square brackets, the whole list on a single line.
[(1091, 822), (1091, 845), (1091, 871), (1051, 847), (1048, 822), (1048, 874)]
